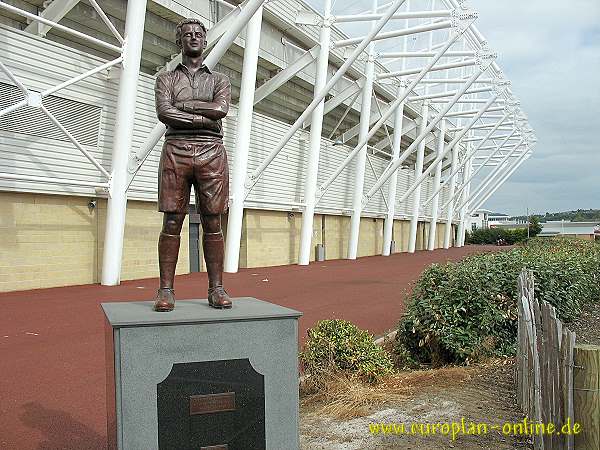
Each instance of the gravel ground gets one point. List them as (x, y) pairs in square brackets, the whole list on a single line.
[(481, 394)]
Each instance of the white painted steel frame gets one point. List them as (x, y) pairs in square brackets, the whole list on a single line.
[(392, 107), (463, 216), (422, 136), (253, 179), (436, 182), (54, 12), (68, 30), (450, 209), (35, 99), (388, 226), (418, 170), (491, 177), (461, 24), (515, 165), (425, 109), (468, 179)]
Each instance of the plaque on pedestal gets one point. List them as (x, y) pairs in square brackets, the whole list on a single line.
[(200, 378)]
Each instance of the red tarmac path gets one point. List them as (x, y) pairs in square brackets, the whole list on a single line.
[(52, 383)]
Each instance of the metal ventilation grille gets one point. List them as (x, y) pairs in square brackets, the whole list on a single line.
[(80, 119)]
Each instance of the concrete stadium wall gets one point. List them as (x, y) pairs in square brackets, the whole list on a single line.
[(55, 240), (271, 238)]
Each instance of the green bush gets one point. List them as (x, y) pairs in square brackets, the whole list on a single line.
[(341, 345), (460, 312), (511, 236)]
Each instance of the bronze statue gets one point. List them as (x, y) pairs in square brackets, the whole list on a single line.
[(191, 100)]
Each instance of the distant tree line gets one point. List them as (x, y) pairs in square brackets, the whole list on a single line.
[(579, 215)]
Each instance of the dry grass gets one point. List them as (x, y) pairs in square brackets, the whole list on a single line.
[(342, 396)]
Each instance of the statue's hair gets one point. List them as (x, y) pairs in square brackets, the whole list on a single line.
[(184, 22)]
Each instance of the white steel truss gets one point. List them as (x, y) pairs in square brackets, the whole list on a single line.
[(480, 92)]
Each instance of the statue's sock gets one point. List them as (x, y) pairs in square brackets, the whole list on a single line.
[(168, 251), (212, 244)]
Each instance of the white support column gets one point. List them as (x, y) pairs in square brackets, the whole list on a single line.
[(126, 102), (460, 240), (466, 174), (450, 208), (414, 220), (454, 167), (436, 182), (440, 150), (388, 226), (242, 142), (361, 160), (316, 128)]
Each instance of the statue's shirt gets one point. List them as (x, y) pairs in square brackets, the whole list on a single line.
[(203, 99)]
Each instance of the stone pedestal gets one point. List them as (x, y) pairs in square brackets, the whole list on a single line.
[(200, 378)]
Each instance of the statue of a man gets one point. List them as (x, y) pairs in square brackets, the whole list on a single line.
[(191, 100)]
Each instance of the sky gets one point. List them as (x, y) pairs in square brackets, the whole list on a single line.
[(550, 51)]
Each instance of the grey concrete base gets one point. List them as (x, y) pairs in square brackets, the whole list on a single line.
[(142, 345)]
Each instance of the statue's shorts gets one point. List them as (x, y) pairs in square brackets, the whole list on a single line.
[(187, 163)]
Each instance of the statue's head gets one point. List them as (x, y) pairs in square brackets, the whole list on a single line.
[(190, 37)]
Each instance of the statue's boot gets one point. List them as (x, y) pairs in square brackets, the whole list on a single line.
[(165, 300), (213, 255), (218, 298)]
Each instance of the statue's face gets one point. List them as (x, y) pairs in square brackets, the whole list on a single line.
[(193, 39)]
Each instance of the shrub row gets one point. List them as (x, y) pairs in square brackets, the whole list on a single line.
[(492, 235), (460, 312)]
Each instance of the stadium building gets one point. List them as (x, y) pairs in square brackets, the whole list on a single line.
[(350, 135)]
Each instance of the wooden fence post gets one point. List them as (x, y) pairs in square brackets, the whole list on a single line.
[(545, 368), (586, 393)]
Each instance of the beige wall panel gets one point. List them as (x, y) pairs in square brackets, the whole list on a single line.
[(56, 240), (439, 238), (403, 235), (46, 241), (271, 238), (371, 237), (337, 230)]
